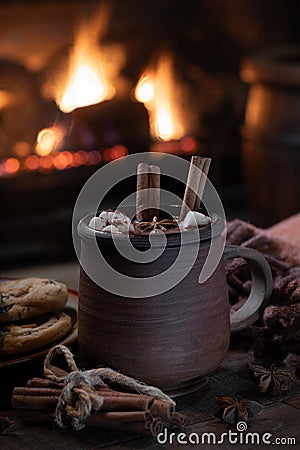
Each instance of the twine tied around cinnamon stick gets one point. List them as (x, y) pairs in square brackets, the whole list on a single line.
[(79, 397)]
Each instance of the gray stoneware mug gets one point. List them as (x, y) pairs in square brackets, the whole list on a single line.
[(173, 339)]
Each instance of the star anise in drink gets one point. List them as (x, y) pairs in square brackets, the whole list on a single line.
[(275, 380), (165, 225), (232, 410)]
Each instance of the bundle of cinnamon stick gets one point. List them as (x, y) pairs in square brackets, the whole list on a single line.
[(38, 400), (43, 398)]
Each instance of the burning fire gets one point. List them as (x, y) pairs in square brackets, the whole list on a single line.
[(92, 68), (84, 89), (145, 89), (47, 140), (158, 90), (59, 160)]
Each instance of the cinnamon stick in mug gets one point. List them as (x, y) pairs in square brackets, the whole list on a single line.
[(204, 168), (192, 185), (154, 193), (142, 200)]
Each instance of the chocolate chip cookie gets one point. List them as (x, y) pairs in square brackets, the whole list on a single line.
[(30, 297), (22, 338)]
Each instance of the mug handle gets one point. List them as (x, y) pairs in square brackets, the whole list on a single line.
[(261, 285)]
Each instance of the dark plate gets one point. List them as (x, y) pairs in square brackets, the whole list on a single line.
[(70, 308)]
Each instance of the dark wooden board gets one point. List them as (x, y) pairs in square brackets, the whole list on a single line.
[(280, 416)]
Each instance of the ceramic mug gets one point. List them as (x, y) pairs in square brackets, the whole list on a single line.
[(170, 340)]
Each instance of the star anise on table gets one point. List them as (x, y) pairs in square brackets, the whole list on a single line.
[(165, 225), (232, 410), (6, 426), (275, 380)]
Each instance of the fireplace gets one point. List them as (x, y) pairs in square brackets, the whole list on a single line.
[(51, 139)]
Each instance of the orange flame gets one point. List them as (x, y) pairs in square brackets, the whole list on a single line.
[(47, 140), (85, 88), (92, 69), (159, 93), (145, 89)]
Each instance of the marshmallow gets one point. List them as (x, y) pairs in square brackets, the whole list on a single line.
[(112, 229), (121, 221), (107, 216), (97, 223), (112, 222), (194, 219)]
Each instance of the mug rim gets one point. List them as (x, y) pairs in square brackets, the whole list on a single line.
[(205, 234)]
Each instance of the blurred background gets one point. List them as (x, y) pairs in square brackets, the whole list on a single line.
[(84, 83)]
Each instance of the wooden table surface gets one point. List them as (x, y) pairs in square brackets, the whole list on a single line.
[(280, 416)]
